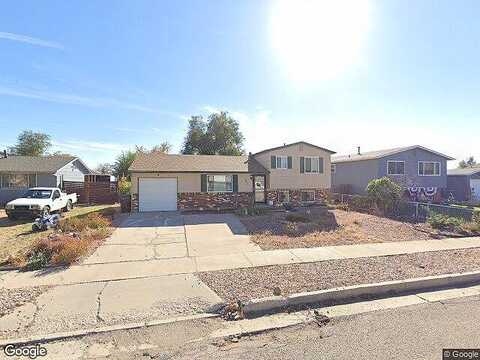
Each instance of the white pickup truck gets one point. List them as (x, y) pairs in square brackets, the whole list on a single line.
[(40, 200)]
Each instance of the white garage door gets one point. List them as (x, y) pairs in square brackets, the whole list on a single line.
[(157, 194), (475, 184)]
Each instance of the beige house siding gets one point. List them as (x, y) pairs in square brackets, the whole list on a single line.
[(189, 182), (292, 178)]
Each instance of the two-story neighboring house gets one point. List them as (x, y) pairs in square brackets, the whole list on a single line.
[(293, 173), (418, 169)]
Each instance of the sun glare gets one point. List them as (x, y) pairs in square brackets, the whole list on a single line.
[(317, 40)]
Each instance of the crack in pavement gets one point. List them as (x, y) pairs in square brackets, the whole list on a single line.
[(99, 304)]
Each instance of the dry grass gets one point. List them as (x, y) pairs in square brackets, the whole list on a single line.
[(17, 237), (331, 227)]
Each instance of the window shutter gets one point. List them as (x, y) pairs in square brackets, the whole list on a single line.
[(273, 163), (302, 164), (235, 183), (320, 165), (289, 162), (203, 186)]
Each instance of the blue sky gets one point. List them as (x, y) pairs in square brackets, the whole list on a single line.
[(102, 76)]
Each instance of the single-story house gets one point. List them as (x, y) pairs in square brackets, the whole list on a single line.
[(420, 170), (464, 184), (18, 173), (291, 173)]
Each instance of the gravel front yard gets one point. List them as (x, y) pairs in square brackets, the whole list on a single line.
[(259, 282), (12, 298), (331, 227)]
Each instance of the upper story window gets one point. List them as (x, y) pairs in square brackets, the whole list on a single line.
[(282, 162), (395, 167), (219, 183), (429, 168), (312, 164)]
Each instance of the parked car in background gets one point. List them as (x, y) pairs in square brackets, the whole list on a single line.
[(38, 201)]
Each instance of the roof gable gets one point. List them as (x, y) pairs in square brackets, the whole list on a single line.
[(378, 154), (293, 144), (34, 164)]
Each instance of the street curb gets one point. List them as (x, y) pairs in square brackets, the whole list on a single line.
[(258, 307), (99, 330)]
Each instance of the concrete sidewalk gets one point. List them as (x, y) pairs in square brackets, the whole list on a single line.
[(192, 264)]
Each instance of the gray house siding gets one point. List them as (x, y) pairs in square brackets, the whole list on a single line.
[(411, 177), (74, 171), (459, 186), (357, 175)]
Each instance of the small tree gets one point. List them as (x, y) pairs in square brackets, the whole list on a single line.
[(470, 162), (124, 186), (105, 169), (384, 193), (30, 143), (122, 163)]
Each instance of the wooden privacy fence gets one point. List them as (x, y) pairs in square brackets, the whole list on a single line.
[(93, 192)]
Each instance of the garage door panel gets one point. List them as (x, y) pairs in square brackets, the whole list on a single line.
[(157, 194)]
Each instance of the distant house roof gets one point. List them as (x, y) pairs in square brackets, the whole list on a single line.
[(295, 143), (378, 154), (464, 171), (34, 164), (159, 162)]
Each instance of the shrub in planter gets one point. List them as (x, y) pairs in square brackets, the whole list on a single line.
[(360, 203), (444, 222), (384, 193)]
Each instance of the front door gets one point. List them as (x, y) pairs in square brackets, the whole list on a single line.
[(259, 188)]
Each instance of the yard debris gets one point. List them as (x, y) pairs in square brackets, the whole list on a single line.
[(320, 318), (233, 311), (277, 291)]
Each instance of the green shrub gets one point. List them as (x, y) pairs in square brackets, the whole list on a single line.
[(444, 222), (124, 186), (476, 216), (37, 261), (384, 193), (296, 218), (358, 203)]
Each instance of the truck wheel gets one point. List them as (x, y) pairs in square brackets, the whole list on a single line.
[(69, 206), (46, 210)]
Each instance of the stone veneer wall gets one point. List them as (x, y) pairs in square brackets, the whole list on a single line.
[(213, 201), (295, 196)]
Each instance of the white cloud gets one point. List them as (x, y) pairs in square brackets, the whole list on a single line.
[(30, 40), (79, 100)]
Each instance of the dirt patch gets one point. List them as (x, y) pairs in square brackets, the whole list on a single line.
[(244, 284), (315, 227), (13, 298)]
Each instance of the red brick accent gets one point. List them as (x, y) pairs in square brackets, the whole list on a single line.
[(295, 196), (213, 201)]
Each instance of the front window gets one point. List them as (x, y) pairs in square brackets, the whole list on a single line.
[(220, 183), (308, 195), (312, 164), (429, 168), (282, 162), (396, 168), (38, 194), (15, 181)]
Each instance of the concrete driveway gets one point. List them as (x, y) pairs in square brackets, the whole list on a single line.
[(122, 282), (168, 235)]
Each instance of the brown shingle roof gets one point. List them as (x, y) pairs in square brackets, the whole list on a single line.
[(465, 171), (159, 162), (34, 164)]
